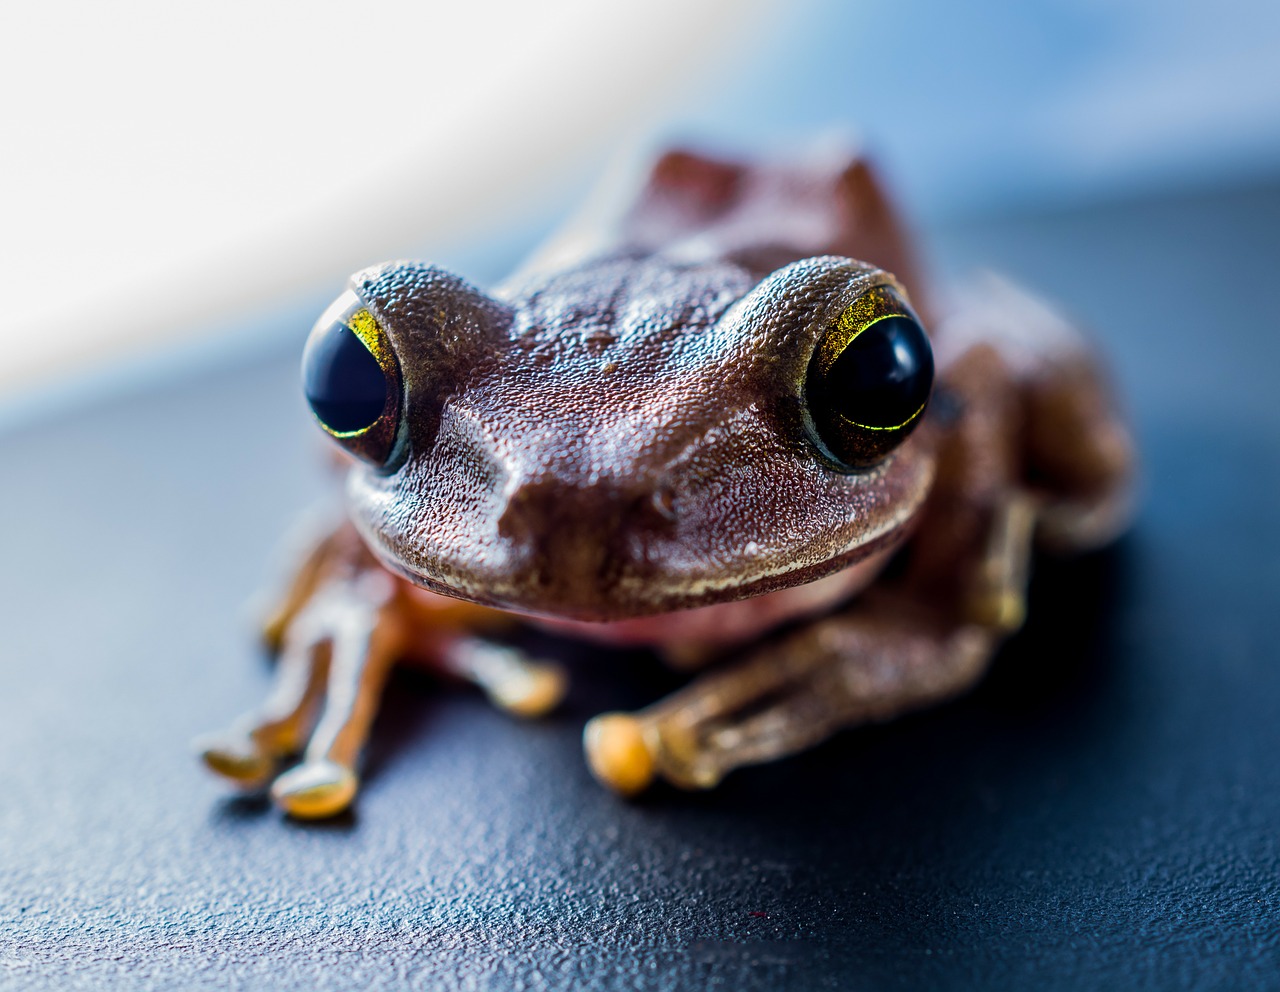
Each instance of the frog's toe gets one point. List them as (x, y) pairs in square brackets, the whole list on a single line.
[(1003, 610), (237, 757), (315, 790), (618, 753), (524, 686), (537, 694), (273, 629)]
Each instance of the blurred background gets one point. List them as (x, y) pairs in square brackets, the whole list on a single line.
[(175, 174)]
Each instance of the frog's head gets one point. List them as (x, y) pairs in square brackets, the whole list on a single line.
[(629, 437)]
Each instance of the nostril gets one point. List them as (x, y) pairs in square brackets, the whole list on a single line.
[(544, 511), (661, 504), (524, 516), (577, 535), (562, 534)]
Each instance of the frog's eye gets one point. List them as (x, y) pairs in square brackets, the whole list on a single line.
[(869, 379), (352, 380)]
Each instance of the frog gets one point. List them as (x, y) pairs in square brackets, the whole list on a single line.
[(725, 420)]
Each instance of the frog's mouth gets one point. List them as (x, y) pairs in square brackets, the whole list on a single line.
[(607, 553)]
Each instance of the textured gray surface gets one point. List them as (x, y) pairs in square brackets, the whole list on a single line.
[(1101, 813)]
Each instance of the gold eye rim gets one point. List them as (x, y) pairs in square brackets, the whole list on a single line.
[(376, 443), (850, 443), (914, 416)]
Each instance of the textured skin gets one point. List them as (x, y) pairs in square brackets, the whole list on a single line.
[(621, 431), (617, 434)]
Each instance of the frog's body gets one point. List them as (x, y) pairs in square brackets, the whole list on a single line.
[(627, 443)]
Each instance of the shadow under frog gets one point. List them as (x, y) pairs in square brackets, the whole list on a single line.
[(703, 427)]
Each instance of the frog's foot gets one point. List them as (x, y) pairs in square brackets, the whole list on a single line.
[(338, 651), (250, 751), (523, 686), (340, 627), (367, 633), (326, 782), (316, 789), (879, 660), (997, 593), (622, 750)]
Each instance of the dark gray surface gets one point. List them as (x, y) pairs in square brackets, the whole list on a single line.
[(1102, 812)]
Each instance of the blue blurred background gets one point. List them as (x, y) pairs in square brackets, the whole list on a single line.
[(179, 176), (1000, 104)]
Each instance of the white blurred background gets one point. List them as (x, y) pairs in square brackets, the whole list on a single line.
[(169, 171)]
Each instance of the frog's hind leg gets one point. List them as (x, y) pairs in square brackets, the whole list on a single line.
[(1076, 451), (883, 658), (1080, 456)]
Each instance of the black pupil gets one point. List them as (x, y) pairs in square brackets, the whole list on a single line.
[(884, 376), (343, 381)]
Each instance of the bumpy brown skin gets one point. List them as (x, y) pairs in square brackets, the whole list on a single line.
[(577, 447), (620, 432)]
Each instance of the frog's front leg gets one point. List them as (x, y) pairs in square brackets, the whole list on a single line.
[(924, 638), (363, 628), (899, 648), (1035, 449), (342, 625), (339, 640), (887, 656)]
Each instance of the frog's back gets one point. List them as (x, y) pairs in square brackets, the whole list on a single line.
[(693, 209)]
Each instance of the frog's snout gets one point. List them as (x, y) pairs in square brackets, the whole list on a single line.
[(581, 536)]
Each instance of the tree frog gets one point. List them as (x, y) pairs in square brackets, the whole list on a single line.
[(711, 422)]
